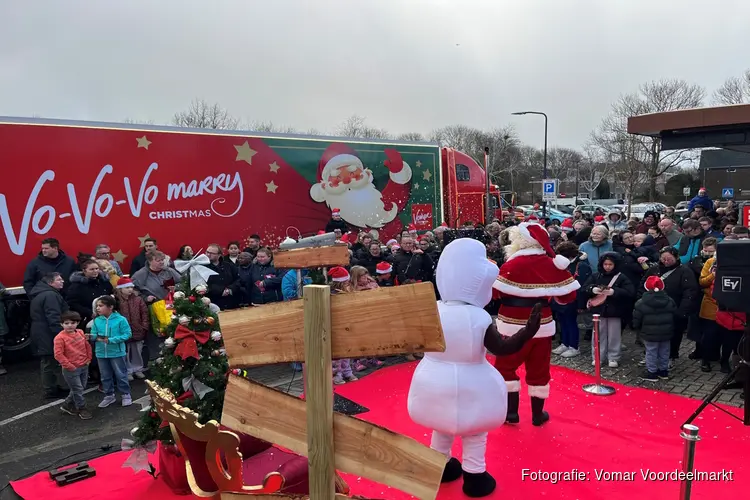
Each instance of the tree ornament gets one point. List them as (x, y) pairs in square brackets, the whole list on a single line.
[(152, 415), (192, 299), (173, 317), (210, 374), (159, 361), (169, 342), (201, 289), (206, 300), (215, 353), (179, 295), (189, 340), (133, 431), (210, 320), (184, 320), (216, 335)]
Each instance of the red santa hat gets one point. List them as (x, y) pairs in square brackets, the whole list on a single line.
[(444, 224), (321, 232), (383, 268), (535, 232), (412, 228), (336, 212), (125, 283), (532, 218), (654, 284), (338, 274)]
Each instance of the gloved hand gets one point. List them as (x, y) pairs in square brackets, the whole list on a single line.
[(596, 290), (608, 291)]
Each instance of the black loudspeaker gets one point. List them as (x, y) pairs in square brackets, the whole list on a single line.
[(732, 282)]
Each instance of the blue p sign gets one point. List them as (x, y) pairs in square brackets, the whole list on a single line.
[(549, 187)]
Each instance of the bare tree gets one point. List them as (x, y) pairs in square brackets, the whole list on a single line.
[(735, 90), (654, 97), (138, 122), (410, 136), (356, 126), (270, 127), (592, 169), (561, 162), (201, 114)]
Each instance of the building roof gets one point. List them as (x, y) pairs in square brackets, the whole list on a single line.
[(720, 127)]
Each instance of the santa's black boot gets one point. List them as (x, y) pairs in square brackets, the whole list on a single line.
[(478, 485), (538, 415), (512, 416), (452, 470)]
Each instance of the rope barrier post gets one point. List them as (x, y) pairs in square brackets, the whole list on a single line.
[(690, 435), (597, 388)]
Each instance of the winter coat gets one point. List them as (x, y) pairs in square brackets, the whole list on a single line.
[(630, 266), (412, 266), (595, 252), (581, 271), (681, 285), (653, 315), (370, 262), (47, 305), (271, 279), (688, 247), (289, 289), (618, 304), (41, 265), (703, 201), (226, 277), (149, 283), (337, 224), (134, 310), (706, 281), (116, 329), (83, 291)]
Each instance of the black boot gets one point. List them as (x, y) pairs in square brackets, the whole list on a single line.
[(705, 366), (512, 416), (538, 415), (452, 471), (478, 485)]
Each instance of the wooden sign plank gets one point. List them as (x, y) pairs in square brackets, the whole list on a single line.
[(317, 300), (393, 320), (360, 448), (300, 258)]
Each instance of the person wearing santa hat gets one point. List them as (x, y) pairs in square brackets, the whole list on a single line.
[(336, 222), (654, 317), (340, 282), (383, 271), (133, 309), (532, 274)]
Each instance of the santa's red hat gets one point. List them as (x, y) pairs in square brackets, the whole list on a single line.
[(335, 212), (532, 218), (412, 227), (335, 156), (125, 283), (535, 232), (383, 268), (338, 274), (654, 284)]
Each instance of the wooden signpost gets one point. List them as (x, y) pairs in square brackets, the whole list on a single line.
[(317, 329)]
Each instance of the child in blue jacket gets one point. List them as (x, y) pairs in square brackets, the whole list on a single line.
[(111, 331), (291, 291)]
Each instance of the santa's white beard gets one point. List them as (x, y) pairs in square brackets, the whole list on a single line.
[(362, 206)]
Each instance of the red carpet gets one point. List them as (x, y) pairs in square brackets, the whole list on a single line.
[(634, 430)]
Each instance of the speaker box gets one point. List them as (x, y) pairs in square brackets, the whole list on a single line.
[(732, 282)]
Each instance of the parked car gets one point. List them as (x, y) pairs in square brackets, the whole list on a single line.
[(680, 210), (590, 209)]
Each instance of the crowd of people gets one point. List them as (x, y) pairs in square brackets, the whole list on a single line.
[(653, 275)]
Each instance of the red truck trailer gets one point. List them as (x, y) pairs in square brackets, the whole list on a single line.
[(87, 183)]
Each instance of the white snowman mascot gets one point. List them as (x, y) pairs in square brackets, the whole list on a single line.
[(458, 393)]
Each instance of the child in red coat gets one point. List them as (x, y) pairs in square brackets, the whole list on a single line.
[(134, 309)]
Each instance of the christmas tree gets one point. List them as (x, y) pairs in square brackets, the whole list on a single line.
[(192, 363)]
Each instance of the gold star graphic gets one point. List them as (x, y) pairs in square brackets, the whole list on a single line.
[(416, 185), (271, 187), (143, 239), (419, 163), (244, 153), (119, 256), (426, 175), (143, 142), (274, 167)]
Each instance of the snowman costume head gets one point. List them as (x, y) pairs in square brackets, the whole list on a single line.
[(457, 392)]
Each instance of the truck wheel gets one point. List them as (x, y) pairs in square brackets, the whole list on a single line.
[(16, 344)]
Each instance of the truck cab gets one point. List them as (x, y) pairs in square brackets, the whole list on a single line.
[(464, 190)]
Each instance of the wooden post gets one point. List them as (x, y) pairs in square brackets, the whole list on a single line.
[(319, 384)]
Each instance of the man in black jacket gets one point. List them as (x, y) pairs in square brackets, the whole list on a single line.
[(224, 286), (50, 260), (47, 305), (411, 264)]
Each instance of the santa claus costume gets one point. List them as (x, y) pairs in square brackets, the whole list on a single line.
[(455, 393), (531, 274), (346, 185)]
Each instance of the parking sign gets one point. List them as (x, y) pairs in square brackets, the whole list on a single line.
[(549, 189)]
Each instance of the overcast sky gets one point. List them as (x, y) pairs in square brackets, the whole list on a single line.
[(409, 65)]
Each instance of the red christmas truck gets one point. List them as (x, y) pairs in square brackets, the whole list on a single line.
[(89, 183)]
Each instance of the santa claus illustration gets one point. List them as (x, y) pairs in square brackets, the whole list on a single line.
[(532, 274), (346, 184)]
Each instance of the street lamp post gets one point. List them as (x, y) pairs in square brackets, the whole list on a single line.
[(544, 202)]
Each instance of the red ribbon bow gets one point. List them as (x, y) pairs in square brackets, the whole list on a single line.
[(188, 346)]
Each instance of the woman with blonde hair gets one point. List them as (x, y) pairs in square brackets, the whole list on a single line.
[(107, 268)]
